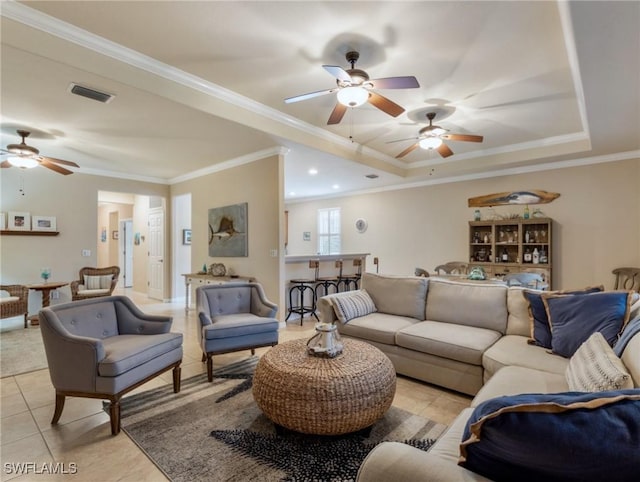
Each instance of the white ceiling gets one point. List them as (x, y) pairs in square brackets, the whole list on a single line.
[(200, 85)]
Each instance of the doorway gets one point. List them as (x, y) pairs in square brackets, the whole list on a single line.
[(156, 253)]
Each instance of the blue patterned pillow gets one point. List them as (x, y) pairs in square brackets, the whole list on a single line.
[(355, 304), (575, 318), (555, 437), (540, 326)]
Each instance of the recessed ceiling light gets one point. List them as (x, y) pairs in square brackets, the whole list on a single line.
[(336, 186), (313, 171), (372, 176)]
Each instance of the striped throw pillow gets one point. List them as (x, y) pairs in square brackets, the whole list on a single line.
[(594, 367), (92, 282), (357, 303)]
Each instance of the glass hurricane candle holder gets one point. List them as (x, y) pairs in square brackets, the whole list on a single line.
[(45, 274)]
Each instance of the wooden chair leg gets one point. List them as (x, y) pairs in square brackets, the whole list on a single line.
[(204, 357), (209, 367), (176, 379), (253, 351), (114, 415), (26, 321), (58, 410)]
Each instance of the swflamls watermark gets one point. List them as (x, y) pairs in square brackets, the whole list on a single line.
[(22, 468)]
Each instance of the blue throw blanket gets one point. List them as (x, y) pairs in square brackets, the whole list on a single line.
[(632, 328)]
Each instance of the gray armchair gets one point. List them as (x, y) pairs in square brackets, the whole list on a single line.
[(104, 348), (234, 317)]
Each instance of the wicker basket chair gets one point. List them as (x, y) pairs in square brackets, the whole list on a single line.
[(16, 304), (85, 287)]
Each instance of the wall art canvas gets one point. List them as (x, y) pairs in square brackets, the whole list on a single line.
[(228, 231)]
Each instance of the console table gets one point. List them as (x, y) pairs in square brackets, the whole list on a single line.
[(199, 279)]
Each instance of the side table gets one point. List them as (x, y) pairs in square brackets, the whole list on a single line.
[(324, 396), (46, 289)]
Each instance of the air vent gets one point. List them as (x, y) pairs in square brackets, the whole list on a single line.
[(91, 93), (372, 176)]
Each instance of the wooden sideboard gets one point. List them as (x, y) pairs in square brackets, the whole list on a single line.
[(199, 279)]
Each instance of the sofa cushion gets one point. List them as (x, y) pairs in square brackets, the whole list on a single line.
[(513, 350), (397, 295), (479, 305), (594, 367), (513, 380), (631, 359), (238, 324), (100, 282), (574, 318), (455, 342), (377, 327), (539, 322), (353, 305), (518, 322), (126, 352), (518, 437)]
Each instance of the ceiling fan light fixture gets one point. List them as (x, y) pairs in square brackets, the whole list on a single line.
[(24, 162), (430, 142), (353, 96)]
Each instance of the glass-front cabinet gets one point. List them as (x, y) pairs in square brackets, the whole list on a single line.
[(511, 246)]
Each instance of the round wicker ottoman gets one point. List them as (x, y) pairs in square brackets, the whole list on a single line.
[(324, 396)]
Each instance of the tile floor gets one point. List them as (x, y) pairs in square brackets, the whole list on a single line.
[(82, 440)]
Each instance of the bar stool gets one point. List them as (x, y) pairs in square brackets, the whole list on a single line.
[(324, 282), (301, 285), (353, 279)]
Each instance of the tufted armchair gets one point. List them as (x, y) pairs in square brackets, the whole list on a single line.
[(94, 283), (104, 348), (16, 304), (234, 317)]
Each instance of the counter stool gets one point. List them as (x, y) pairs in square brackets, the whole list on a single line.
[(323, 282), (352, 281), (302, 285)]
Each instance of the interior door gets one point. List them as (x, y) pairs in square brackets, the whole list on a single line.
[(127, 253), (156, 254)]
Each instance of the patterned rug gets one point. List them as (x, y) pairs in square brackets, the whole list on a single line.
[(216, 432)]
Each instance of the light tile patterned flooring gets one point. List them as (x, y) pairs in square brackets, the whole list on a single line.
[(83, 435)]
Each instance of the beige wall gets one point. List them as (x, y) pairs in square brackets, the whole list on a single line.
[(73, 200), (260, 185), (596, 221)]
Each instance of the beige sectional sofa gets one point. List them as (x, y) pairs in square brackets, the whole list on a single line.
[(469, 337)]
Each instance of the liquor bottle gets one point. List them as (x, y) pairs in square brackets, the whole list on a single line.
[(543, 256), (505, 255), (536, 256), (526, 212), (528, 258)]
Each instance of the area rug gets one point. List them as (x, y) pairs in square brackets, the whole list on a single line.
[(216, 432), (21, 351)]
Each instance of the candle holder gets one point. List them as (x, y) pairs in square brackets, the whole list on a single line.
[(45, 274)]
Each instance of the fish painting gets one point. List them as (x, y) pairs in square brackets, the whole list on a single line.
[(228, 231), (535, 196)]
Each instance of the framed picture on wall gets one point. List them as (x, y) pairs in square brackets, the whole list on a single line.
[(19, 221), (43, 223), (115, 235), (3, 220), (186, 236)]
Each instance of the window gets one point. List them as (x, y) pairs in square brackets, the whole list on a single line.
[(329, 231)]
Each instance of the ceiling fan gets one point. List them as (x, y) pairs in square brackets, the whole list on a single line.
[(355, 88), (431, 137), (26, 157)]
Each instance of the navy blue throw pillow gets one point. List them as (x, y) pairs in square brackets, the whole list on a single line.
[(575, 318), (566, 437), (540, 327)]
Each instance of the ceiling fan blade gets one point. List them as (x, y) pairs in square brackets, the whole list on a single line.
[(310, 95), (337, 114), (58, 161), (462, 137), (338, 72), (444, 150), (407, 150), (54, 167), (385, 105), (402, 140), (4, 164), (409, 82)]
